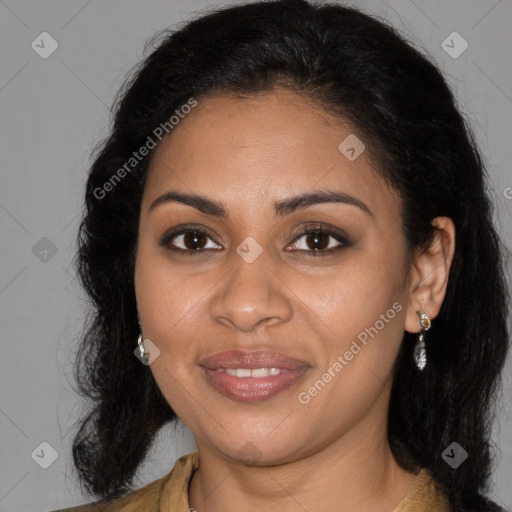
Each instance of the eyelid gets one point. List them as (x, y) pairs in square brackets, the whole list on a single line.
[(181, 230), (320, 227), (339, 235)]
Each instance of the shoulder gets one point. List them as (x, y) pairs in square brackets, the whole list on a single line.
[(171, 486), (425, 495)]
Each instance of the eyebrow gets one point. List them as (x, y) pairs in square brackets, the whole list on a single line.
[(282, 207)]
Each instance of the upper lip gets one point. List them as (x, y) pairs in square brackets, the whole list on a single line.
[(251, 359)]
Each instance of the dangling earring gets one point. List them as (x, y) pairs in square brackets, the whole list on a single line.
[(420, 350), (140, 342)]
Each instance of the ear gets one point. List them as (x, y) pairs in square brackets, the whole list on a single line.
[(429, 272)]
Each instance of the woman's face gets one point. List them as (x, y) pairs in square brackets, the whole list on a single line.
[(269, 350)]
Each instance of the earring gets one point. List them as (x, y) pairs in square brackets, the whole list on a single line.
[(140, 342), (420, 350)]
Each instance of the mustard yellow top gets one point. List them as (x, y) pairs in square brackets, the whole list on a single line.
[(170, 494)]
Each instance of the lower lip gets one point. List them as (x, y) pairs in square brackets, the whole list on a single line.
[(253, 389)]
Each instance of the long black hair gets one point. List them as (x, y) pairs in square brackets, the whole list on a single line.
[(360, 69)]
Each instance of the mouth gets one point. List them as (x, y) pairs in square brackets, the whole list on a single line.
[(251, 376)]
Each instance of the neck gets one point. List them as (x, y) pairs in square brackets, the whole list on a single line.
[(358, 470)]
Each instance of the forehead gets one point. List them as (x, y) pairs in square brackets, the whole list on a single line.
[(252, 151)]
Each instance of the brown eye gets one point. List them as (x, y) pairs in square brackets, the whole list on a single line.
[(188, 240), (317, 241), (194, 240), (320, 241)]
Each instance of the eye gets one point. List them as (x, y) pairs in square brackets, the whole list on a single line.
[(188, 240), (317, 238), (191, 240)]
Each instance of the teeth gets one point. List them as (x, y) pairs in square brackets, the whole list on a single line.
[(248, 372), (259, 372)]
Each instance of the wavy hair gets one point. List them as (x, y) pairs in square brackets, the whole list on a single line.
[(362, 70)]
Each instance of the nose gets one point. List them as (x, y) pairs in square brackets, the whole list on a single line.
[(251, 295)]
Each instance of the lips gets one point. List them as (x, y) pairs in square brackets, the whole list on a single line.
[(251, 359), (251, 376)]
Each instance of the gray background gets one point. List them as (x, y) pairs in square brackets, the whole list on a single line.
[(53, 111)]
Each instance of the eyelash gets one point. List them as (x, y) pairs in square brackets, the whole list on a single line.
[(344, 241)]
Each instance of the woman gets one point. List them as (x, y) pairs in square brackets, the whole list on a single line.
[(289, 224)]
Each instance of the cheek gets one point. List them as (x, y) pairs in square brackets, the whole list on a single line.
[(166, 299), (168, 305), (353, 295), (173, 304), (359, 313), (169, 312)]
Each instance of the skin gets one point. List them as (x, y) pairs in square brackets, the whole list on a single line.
[(247, 154)]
